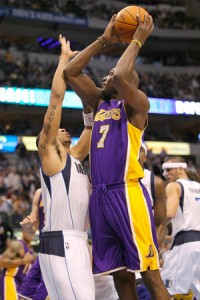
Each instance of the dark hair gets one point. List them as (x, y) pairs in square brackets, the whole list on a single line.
[(175, 159), (193, 176)]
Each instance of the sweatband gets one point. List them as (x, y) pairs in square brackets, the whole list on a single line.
[(88, 119), (174, 165)]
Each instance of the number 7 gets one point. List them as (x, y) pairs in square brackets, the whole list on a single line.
[(104, 130)]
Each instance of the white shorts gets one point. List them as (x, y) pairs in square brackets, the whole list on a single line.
[(181, 270), (65, 264), (105, 288)]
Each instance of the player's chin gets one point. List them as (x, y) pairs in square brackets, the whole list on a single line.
[(67, 143)]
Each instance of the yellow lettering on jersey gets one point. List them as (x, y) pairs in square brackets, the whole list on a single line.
[(103, 114)]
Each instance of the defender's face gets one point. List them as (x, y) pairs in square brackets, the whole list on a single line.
[(171, 175), (64, 137)]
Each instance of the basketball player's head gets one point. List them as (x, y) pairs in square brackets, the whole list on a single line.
[(63, 136), (108, 91), (174, 168), (143, 154)]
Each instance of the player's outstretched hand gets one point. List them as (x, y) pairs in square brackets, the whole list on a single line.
[(27, 223), (66, 51)]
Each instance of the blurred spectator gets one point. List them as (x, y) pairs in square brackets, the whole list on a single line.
[(2, 180), (13, 179), (22, 162), (4, 205), (5, 232), (191, 166)]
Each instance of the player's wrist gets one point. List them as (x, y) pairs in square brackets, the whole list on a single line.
[(137, 42), (102, 40), (88, 119)]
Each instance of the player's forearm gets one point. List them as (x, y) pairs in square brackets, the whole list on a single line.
[(126, 63), (11, 263), (59, 85), (77, 64), (31, 230)]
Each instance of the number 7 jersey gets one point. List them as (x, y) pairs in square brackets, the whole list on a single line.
[(115, 146)]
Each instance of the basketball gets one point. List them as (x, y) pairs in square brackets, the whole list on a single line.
[(126, 22)]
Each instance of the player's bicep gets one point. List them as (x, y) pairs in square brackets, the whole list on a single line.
[(81, 149), (51, 122), (85, 88), (135, 98), (160, 201), (173, 199)]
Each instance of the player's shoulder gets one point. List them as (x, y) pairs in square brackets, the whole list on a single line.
[(173, 186), (15, 245), (158, 180)]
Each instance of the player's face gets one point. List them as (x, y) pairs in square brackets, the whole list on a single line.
[(171, 174), (106, 84), (64, 137)]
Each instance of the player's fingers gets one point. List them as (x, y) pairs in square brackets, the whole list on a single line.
[(60, 38), (138, 19), (113, 18)]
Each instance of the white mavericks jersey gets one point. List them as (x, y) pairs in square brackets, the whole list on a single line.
[(66, 198), (148, 182), (188, 213)]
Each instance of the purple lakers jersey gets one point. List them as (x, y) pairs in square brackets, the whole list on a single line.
[(115, 146)]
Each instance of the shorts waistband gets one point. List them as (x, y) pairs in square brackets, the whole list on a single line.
[(77, 233), (52, 242), (111, 186), (183, 237)]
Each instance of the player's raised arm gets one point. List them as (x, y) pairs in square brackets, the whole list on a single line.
[(53, 115), (81, 149), (30, 223), (125, 79), (81, 83)]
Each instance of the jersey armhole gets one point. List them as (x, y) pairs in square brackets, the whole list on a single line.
[(152, 182), (182, 196)]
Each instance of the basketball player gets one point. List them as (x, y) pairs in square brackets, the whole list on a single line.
[(123, 231), (33, 286), (63, 252), (181, 269), (15, 261)]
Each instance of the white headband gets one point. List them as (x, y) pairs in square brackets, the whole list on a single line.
[(174, 165)]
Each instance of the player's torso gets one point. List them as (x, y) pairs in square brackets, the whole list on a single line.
[(188, 216), (66, 197), (115, 146)]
